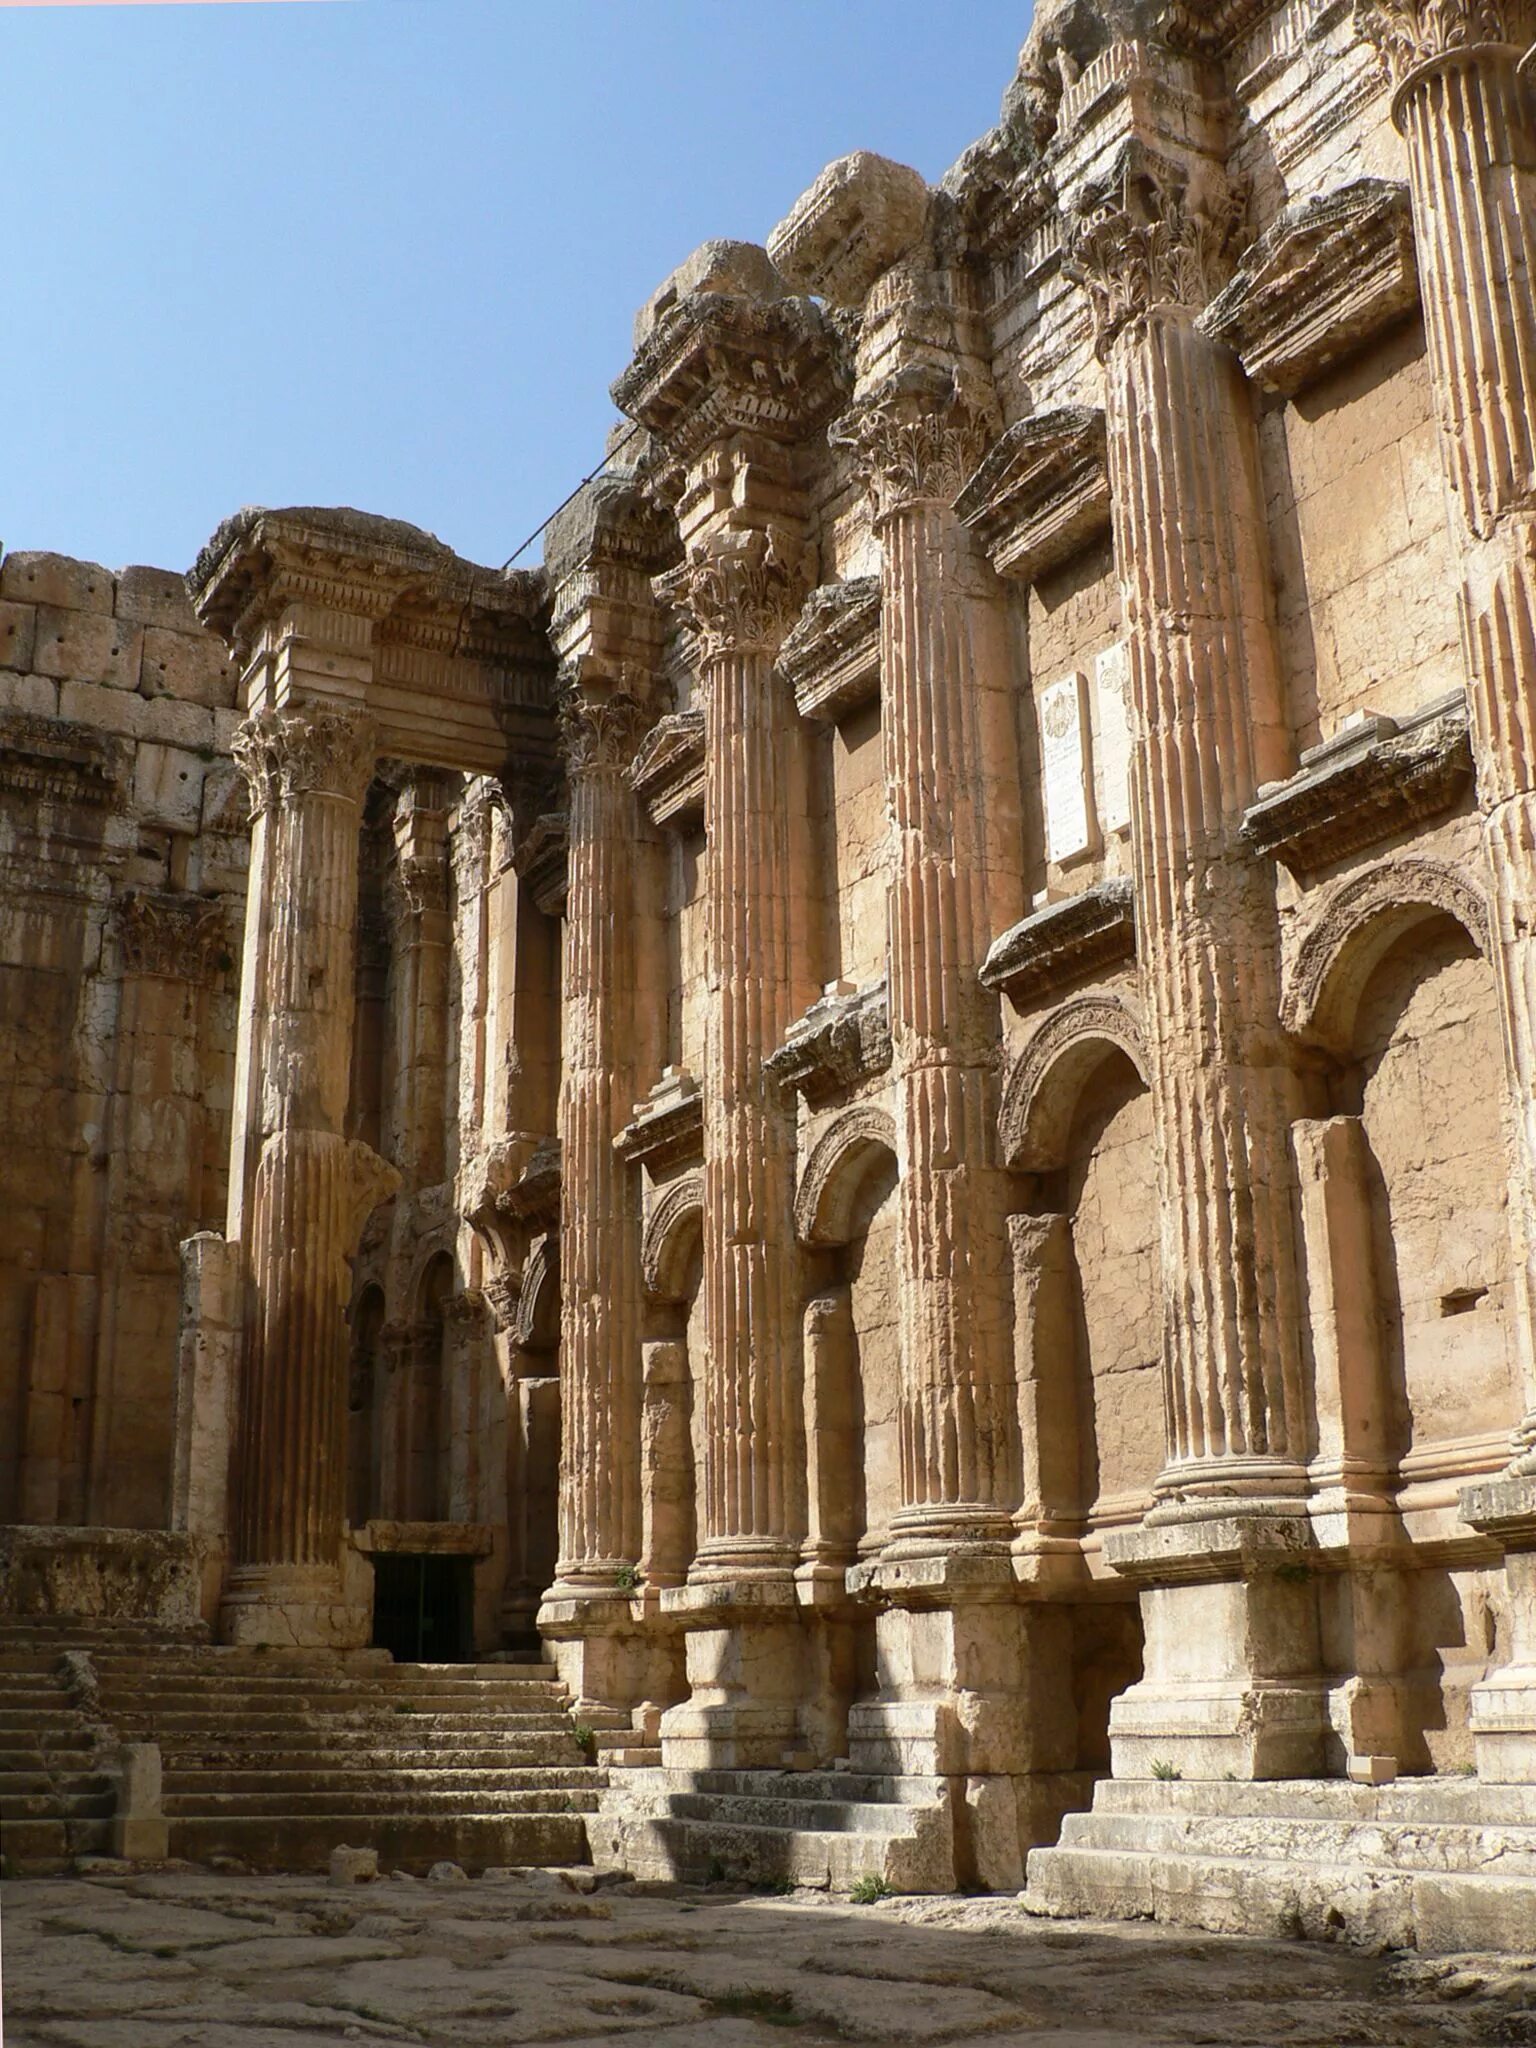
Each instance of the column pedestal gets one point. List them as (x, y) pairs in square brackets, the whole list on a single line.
[(1504, 1705), (745, 1658)]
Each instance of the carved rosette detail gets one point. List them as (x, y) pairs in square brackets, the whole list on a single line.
[(178, 938), (1148, 240), (601, 735), (284, 755), (740, 592), (1412, 33), (919, 438)]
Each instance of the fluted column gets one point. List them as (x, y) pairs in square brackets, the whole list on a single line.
[(742, 592), (313, 1187), (958, 1435), (600, 1217), (1468, 117), (1190, 544)]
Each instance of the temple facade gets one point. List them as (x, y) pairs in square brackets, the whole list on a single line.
[(893, 1105)]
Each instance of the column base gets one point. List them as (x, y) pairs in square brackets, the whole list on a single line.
[(1232, 1685), (296, 1607), (744, 1656), (616, 1654), (1503, 1706)]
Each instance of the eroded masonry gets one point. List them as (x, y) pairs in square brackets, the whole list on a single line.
[(893, 1106)]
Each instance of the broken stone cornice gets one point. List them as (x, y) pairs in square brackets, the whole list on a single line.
[(832, 653), (1041, 493), (668, 771), (860, 216), (842, 1039), (1063, 942), (667, 1129)]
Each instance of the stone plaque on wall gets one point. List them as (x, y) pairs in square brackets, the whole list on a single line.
[(1112, 679), (1064, 764)]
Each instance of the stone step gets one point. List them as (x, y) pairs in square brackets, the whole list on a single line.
[(707, 1852), (214, 1685), (241, 1747), (1426, 1801), (804, 1816), (394, 1771), (1361, 1843), (27, 1734), (55, 1802), (240, 1723), (405, 1841), (38, 1779), (384, 1799), (330, 1760), (45, 1848), (317, 1667), (857, 1786)]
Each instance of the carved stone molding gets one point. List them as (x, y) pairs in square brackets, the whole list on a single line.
[(536, 1322), (1352, 930), (918, 436), (668, 772), (317, 751), (1151, 236), (836, 1169), (599, 735), (832, 654), (841, 1040), (58, 761), (861, 214), (1367, 784), (740, 591), (1041, 494), (668, 1128), (1063, 942), (1332, 272), (1412, 33), (671, 1234), (540, 859), (179, 938), (1047, 1079)]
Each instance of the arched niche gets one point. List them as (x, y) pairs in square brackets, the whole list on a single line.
[(669, 1248), (1046, 1081), (854, 1145), (536, 1322), (1354, 930)]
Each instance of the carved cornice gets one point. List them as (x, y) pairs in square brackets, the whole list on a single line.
[(861, 214), (740, 590), (719, 364), (918, 436), (1410, 34), (179, 938), (536, 1319), (668, 772), (316, 751), (667, 1128), (1150, 238), (540, 859), (1330, 274), (1063, 942), (1041, 494), (599, 735), (840, 1041), (1365, 785), (512, 1187), (57, 761), (832, 653)]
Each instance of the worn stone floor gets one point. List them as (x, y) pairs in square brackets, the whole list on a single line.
[(195, 1960)]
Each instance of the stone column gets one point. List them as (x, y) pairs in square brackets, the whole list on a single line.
[(1467, 114), (421, 958), (942, 651), (313, 1187), (1191, 545)]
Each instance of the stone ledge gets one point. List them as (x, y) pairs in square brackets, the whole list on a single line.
[(1063, 942), (1369, 782), (667, 1129), (668, 772), (540, 860), (832, 654), (842, 1039), (1041, 494)]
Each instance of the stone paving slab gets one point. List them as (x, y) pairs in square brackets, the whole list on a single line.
[(197, 1960)]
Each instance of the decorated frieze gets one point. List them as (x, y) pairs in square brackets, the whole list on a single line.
[(1374, 779), (832, 654), (1324, 281), (1041, 493)]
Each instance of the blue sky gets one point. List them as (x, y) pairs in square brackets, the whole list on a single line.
[(386, 252)]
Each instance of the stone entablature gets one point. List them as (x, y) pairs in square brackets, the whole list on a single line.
[(1332, 273), (1041, 494), (832, 652), (540, 858), (1377, 777), (668, 772), (667, 1129), (1064, 942), (843, 1039)]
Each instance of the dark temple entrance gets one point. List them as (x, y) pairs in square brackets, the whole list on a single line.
[(423, 1607)]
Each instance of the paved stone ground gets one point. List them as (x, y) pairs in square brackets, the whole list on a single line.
[(184, 1960)]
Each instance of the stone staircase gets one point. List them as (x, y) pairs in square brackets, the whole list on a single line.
[(276, 1758), (828, 1829), (56, 1798), (1438, 1863)]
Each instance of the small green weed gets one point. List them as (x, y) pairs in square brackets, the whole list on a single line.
[(1168, 1773), (869, 1890), (583, 1734), (627, 1579)]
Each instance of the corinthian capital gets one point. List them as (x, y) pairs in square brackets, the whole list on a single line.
[(741, 590), (1410, 33), (317, 751), (601, 734), (1154, 236), (179, 938), (919, 436)]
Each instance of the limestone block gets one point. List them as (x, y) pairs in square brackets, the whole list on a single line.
[(715, 266), (177, 724), (87, 646), (861, 214), (156, 597), (188, 665), (18, 627), (353, 1866), (57, 580), (36, 694), (168, 787), (108, 710)]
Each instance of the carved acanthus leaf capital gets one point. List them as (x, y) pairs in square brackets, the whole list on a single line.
[(740, 591), (316, 751), (1154, 236), (919, 436), (1411, 33), (179, 938), (600, 735)]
